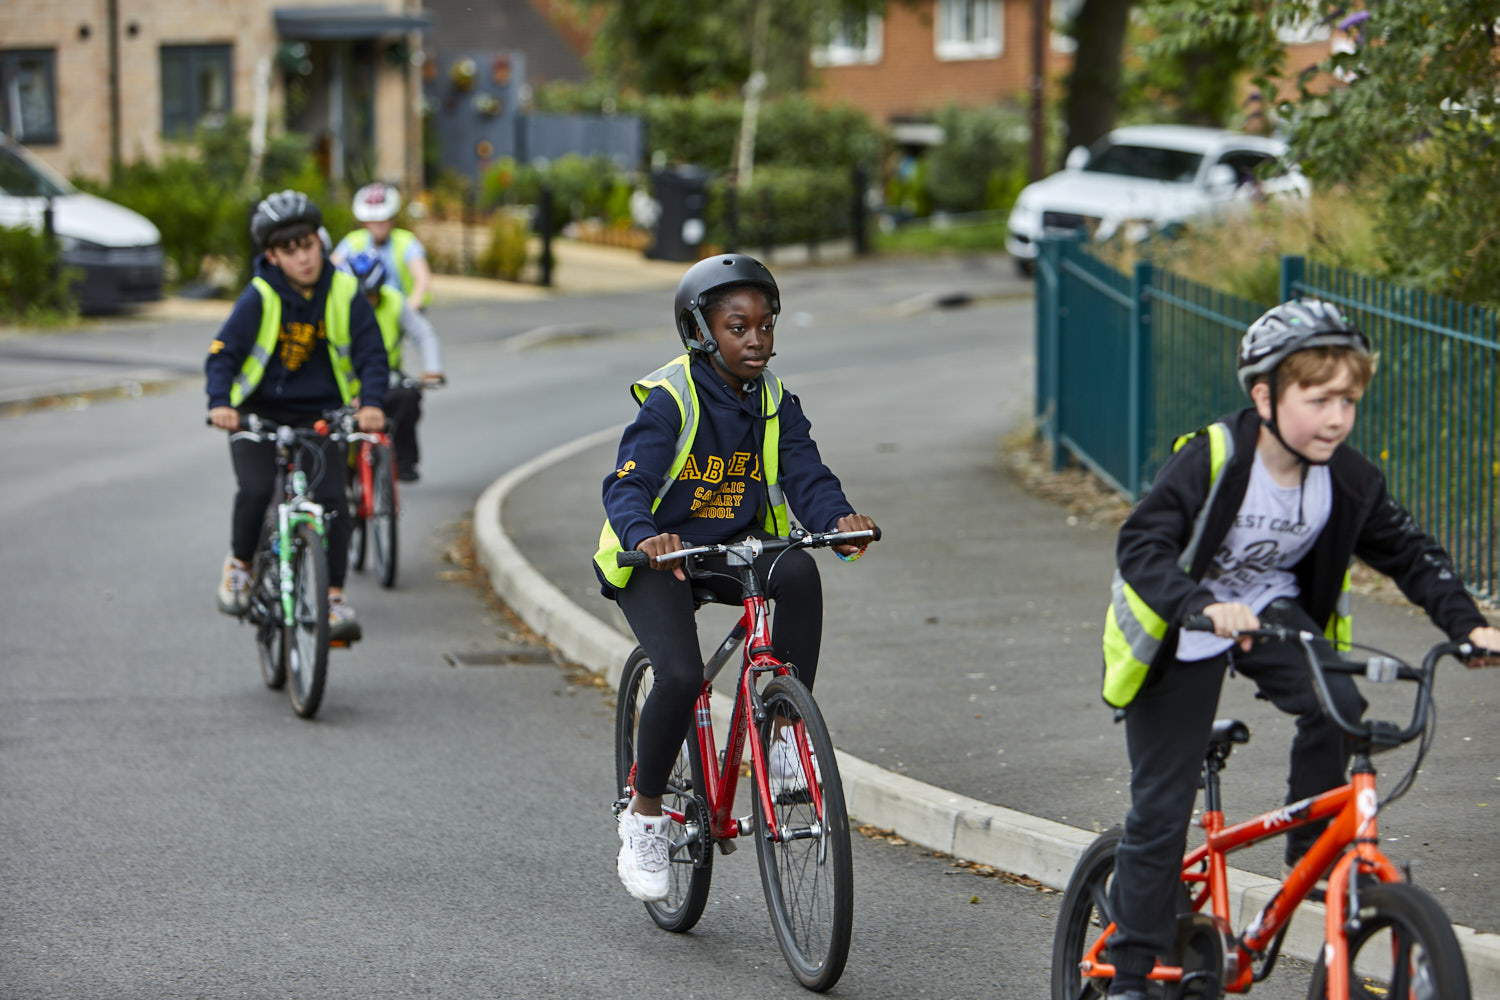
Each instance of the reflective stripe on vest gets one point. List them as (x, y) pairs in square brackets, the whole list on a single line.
[(341, 294), (400, 241), (1133, 631), (676, 378), (388, 317), (1340, 627)]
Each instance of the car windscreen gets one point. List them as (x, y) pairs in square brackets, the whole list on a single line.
[(1147, 162), (20, 179)]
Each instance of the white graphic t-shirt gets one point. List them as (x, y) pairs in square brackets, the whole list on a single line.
[(1275, 527)]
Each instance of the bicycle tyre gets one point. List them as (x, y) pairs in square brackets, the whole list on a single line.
[(359, 535), (808, 882), (381, 527), (265, 615), (307, 645), (692, 861), (1085, 914), (1399, 919)]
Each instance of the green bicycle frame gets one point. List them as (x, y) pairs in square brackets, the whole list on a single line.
[(289, 515)]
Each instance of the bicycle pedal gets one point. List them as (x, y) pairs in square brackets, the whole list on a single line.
[(340, 643)]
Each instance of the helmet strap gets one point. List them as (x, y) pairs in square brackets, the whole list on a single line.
[(708, 345), (1276, 431)]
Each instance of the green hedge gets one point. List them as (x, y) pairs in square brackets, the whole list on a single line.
[(784, 205), (34, 286), (583, 187)]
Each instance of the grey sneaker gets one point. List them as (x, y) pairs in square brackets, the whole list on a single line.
[(644, 856), (234, 587), (342, 625)]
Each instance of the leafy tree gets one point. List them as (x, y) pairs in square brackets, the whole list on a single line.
[(1408, 118), (1093, 87), (686, 47)]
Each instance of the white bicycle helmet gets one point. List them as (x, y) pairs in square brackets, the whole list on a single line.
[(1294, 325), (376, 203)]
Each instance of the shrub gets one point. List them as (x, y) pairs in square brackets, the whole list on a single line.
[(33, 284), (784, 205), (978, 144), (505, 256)]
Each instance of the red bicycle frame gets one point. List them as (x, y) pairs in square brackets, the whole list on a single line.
[(364, 467)]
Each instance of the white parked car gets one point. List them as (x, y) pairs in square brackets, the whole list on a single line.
[(1141, 178), (117, 251)]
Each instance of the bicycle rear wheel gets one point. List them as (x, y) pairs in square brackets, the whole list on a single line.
[(359, 532), (1085, 914), (381, 528), (265, 615), (1405, 948), (808, 875), (307, 644), (692, 857)]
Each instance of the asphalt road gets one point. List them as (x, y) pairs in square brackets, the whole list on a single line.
[(170, 829)]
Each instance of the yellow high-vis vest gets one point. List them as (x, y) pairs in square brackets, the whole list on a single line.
[(676, 378), (336, 307)]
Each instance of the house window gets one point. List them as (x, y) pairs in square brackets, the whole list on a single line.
[(852, 41), (196, 87), (28, 95), (968, 29)]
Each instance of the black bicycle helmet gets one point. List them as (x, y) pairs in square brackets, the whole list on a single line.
[(1294, 325), (282, 210), (705, 276)]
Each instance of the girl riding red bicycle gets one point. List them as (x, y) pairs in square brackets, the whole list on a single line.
[(718, 450)]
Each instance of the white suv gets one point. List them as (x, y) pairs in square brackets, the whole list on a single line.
[(1141, 178)]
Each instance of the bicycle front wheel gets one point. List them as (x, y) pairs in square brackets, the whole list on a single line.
[(265, 614), (807, 873), (381, 529), (307, 644), (692, 856), (1405, 947)]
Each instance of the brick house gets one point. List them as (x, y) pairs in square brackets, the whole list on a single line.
[(87, 82)]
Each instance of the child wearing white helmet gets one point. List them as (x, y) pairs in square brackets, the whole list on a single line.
[(404, 257), (1254, 518)]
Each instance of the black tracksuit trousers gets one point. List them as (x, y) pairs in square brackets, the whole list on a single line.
[(1166, 733)]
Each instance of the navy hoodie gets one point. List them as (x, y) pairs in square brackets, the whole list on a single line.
[(299, 374), (720, 494)]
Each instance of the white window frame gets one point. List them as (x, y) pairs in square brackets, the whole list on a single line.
[(948, 13), (841, 51)]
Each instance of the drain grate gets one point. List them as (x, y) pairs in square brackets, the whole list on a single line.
[(505, 656)]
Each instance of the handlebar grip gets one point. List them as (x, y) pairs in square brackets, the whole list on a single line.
[(1198, 623), (632, 558), (876, 537)]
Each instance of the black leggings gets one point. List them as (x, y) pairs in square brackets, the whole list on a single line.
[(255, 475), (659, 608), (1166, 733)]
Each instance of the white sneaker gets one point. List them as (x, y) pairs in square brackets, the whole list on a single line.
[(644, 856), (234, 587), (786, 766)]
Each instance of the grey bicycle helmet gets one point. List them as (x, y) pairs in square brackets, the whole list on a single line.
[(1294, 325), (701, 279), (283, 210)]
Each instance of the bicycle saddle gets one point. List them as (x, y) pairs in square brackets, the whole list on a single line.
[(1227, 732)]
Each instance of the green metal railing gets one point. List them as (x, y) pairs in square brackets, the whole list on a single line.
[(1126, 362)]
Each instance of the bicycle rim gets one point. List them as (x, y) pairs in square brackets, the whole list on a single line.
[(382, 526), (808, 876), (1405, 948), (691, 855), (307, 647)]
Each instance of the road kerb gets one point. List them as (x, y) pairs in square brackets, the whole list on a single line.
[(924, 814)]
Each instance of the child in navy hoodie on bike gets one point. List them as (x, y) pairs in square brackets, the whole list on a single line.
[(717, 451), (300, 341), (1255, 518)]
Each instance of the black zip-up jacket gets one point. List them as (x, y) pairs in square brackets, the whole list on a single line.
[(1365, 521), (310, 387)]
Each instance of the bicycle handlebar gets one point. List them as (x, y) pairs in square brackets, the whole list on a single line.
[(748, 549), (1380, 668)]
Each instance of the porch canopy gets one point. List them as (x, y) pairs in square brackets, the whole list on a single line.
[(341, 24)]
